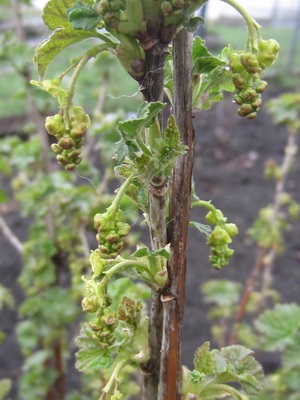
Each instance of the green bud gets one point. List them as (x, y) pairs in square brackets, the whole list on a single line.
[(117, 246), (124, 230), (257, 103), (218, 237), (110, 319), (260, 86), (231, 229), (252, 115), (78, 160), (235, 63), (166, 8), (104, 249), (250, 63), (89, 304), (178, 3), (237, 99), (112, 238), (55, 125), (249, 95), (245, 109), (66, 143), (70, 167), (62, 160), (210, 218), (73, 154), (268, 51), (55, 147), (238, 81)]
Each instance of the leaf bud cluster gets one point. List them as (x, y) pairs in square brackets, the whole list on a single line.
[(111, 231), (247, 69), (219, 239), (104, 327), (68, 147)]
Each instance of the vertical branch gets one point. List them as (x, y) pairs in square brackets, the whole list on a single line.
[(152, 89), (173, 300)]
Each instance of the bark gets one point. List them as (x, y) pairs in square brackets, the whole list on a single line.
[(173, 300), (152, 89)]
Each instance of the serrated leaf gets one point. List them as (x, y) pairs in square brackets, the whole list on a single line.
[(83, 17), (147, 112), (141, 252), (124, 170), (241, 367), (145, 252), (202, 228), (163, 252), (203, 61), (203, 360), (47, 50), (291, 355), (91, 354), (125, 148), (55, 13), (279, 326), (221, 292)]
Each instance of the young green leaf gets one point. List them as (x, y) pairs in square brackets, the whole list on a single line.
[(90, 354), (83, 17), (47, 50), (203, 360), (291, 355), (203, 61), (279, 326), (235, 364), (146, 114), (202, 228), (55, 13)]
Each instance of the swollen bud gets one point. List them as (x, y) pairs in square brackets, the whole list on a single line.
[(268, 51)]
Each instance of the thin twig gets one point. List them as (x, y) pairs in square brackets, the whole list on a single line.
[(10, 236)]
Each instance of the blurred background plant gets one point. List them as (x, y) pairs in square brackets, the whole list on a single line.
[(58, 206), (251, 314)]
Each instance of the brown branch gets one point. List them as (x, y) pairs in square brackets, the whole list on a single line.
[(153, 91), (173, 301)]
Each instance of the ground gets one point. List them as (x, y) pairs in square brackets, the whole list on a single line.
[(230, 155)]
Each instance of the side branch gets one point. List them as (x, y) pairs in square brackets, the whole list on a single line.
[(10, 236), (173, 300)]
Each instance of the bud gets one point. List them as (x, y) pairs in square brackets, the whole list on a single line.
[(66, 143), (250, 63), (267, 52)]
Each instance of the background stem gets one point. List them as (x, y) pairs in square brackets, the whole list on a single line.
[(173, 301)]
